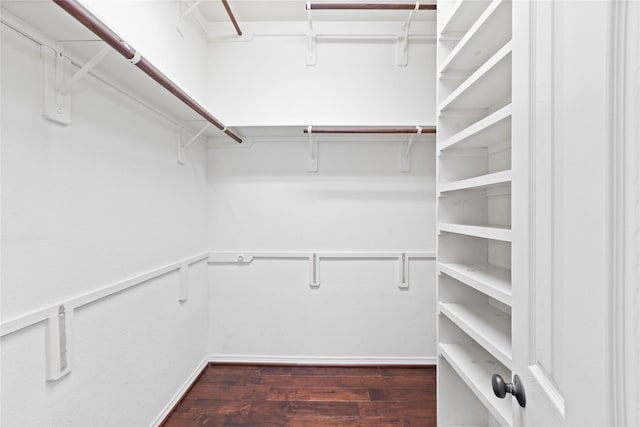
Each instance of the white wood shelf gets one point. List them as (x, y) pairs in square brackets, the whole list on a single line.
[(486, 86), (485, 37), (489, 279), (491, 130), (474, 188), (476, 367), (479, 182), (462, 16), (488, 326), (482, 231), (46, 23)]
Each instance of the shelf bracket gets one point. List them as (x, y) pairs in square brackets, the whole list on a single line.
[(312, 164), (58, 340), (55, 66), (183, 290), (183, 15), (57, 87), (405, 151), (402, 47), (314, 271), (65, 88), (182, 146), (312, 41), (403, 271)]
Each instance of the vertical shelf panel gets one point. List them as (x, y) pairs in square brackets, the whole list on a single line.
[(474, 173)]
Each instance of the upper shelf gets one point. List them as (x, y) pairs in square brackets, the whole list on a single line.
[(489, 279), (475, 366), (477, 183), (51, 26), (493, 232), (494, 128), (487, 86), (463, 14), (489, 33)]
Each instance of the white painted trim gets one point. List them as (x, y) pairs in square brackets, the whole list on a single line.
[(402, 258), (321, 360), (32, 318), (617, 239), (625, 205), (551, 392), (181, 392), (25, 320), (248, 256)]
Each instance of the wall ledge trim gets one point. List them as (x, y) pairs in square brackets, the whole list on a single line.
[(34, 317)]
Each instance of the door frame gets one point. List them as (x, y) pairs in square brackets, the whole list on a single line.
[(625, 217)]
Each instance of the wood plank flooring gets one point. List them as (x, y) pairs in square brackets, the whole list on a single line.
[(301, 396)]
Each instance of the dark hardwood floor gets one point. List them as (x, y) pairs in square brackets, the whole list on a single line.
[(269, 396)]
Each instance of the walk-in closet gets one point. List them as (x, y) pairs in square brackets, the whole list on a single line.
[(315, 213)]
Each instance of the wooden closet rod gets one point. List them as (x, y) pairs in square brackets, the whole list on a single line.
[(90, 21), (429, 129), (232, 17), (369, 6)]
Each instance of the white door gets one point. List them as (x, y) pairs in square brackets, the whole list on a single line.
[(562, 266)]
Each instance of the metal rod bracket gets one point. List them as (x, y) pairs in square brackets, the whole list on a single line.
[(314, 271), (182, 15), (183, 286), (56, 67), (66, 87), (182, 145), (403, 271), (311, 52), (58, 342), (312, 164), (402, 47), (405, 151)]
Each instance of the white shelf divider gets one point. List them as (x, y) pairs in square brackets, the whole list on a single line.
[(476, 367), (486, 278), (486, 32), (462, 16), (488, 326), (482, 231), (491, 129), (479, 182), (495, 68)]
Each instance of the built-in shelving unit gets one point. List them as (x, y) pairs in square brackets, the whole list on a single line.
[(474, 209), (475, 367)]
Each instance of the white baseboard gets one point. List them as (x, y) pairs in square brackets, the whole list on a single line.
[(181, 391), (321, 360)]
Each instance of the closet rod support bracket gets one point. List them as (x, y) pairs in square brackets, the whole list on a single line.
[(312, 163), (405, 151), (182, 145), (66, 87), (58, 342), (314, 271), (402, 47), (311, 51), (183, 15), (403, 271), (56, 67), (183, 286)]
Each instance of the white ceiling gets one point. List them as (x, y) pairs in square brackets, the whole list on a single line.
[(295, 10)]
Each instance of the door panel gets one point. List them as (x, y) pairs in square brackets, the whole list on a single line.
[(561, 262)]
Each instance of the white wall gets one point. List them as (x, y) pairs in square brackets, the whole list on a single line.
[(265, 81), (262, 199), (84, 206), (150, 27), (101, 200)]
